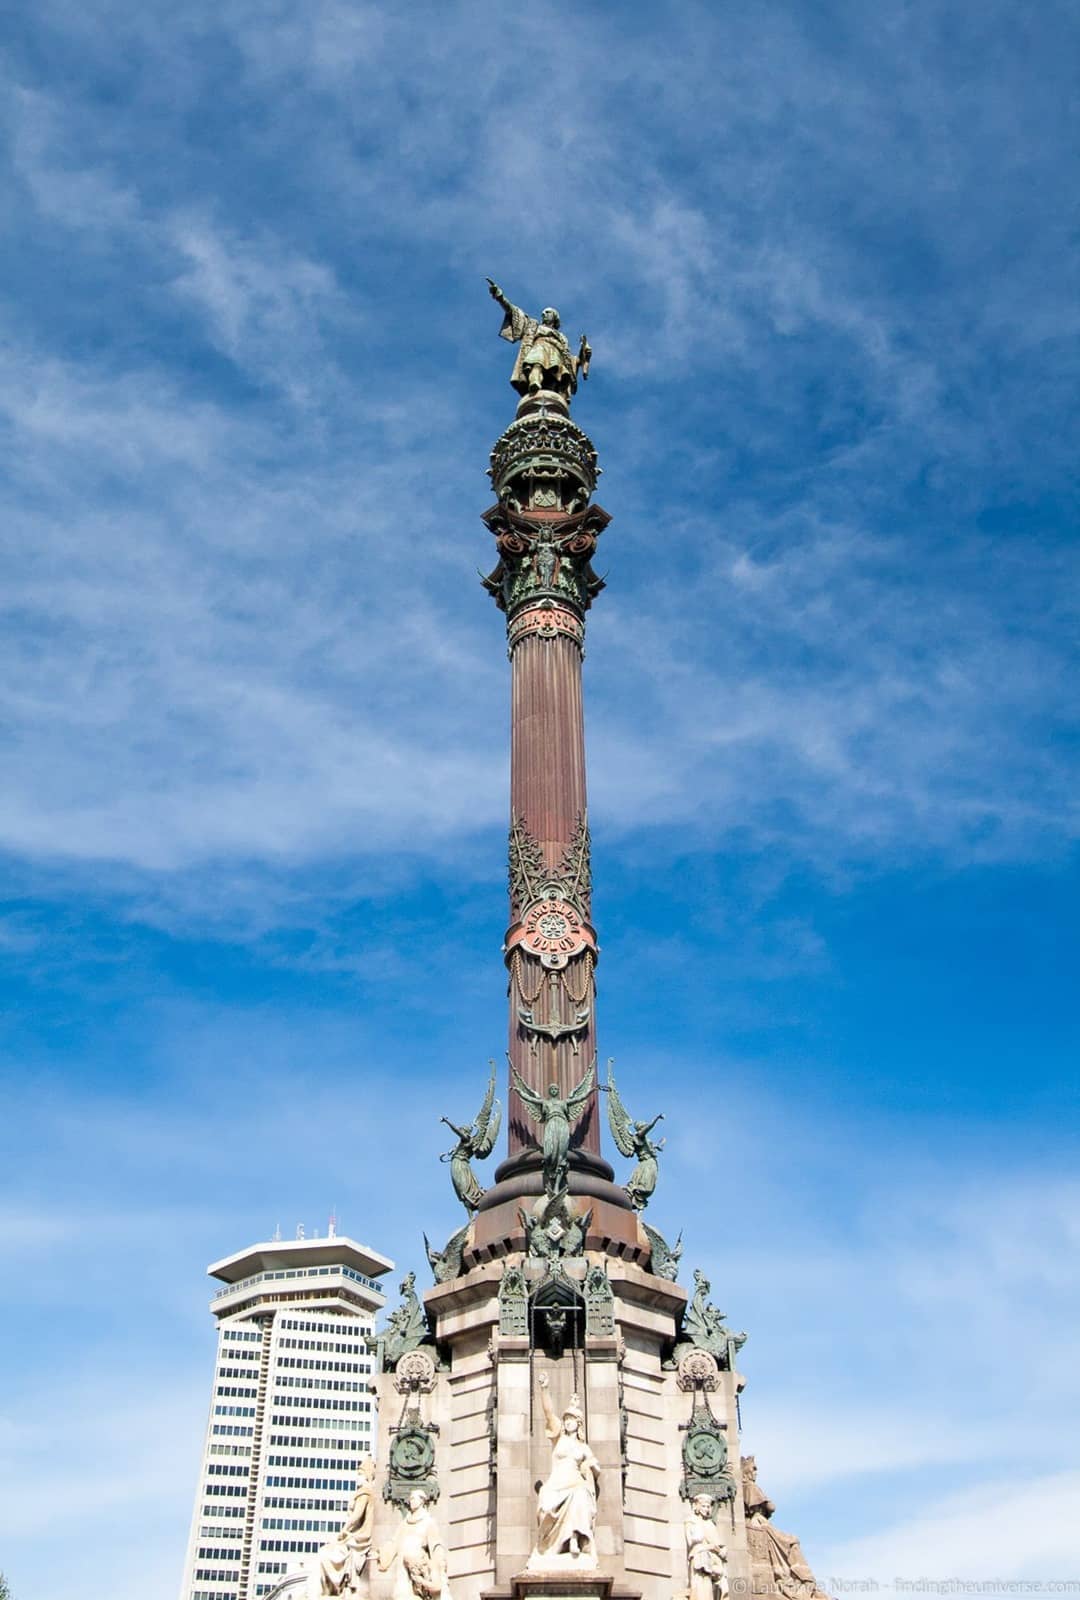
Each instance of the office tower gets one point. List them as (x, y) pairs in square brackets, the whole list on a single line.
[(292, 1411)]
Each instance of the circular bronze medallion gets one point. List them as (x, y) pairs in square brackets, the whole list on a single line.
[(552, 927)]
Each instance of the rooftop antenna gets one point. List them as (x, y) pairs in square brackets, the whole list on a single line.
[(331, 1226), (300, 1230), (277, 1234)]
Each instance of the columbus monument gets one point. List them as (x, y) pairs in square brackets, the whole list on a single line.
[(558, 1414)]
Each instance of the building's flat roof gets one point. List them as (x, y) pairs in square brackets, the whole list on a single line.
[(277, 1254)]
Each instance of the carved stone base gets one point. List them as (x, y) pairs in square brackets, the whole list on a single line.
[(557, 1586), (564, 1564), (568, 1583)]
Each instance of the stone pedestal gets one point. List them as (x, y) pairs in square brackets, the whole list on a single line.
[(491, 1450), (567, 1585)]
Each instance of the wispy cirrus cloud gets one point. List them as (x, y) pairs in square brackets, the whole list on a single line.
[(934, 737), (958, 1538), (254, 704)]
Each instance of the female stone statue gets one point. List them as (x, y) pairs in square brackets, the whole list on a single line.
[(566, 1509), (340, 1562), (706, 1553), (419, 1552)]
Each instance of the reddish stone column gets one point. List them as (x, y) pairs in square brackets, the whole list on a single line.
[(550, 944), (545, 527)]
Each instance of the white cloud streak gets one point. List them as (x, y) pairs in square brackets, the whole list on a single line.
[(232, 664)]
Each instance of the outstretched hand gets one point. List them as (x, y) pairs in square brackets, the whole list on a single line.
[(494, 290), (542, 1380)]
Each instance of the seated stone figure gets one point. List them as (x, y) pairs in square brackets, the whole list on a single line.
[(338, 1567), (776, 1558)]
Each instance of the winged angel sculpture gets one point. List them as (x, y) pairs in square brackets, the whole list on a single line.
[(475, 1142), (632, 1139), (555, 1115)]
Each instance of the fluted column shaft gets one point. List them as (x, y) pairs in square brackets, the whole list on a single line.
[(548, 801)]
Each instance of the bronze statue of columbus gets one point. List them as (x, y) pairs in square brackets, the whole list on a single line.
[(545, 361)]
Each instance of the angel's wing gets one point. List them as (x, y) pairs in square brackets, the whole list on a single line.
[(482, 1144), (581, 1227), (529, 1097), (576, 1099), (622, 1128), (490, 1134)]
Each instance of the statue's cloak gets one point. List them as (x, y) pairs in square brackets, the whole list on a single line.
[(541, 345)]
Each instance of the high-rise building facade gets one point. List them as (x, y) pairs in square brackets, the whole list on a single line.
[(292, 1412)]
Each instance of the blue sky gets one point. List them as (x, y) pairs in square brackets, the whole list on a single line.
[(254, 704)]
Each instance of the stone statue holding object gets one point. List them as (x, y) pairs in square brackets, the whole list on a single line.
[(339, 1565), (545, 361), (418, 1554), (706, 1553), (566, 1507)]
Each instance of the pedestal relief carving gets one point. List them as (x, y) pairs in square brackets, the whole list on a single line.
[(415, 1373), (513, 1304), (412, 1443), (705, 1447), (698, 1370), (599, 1304)]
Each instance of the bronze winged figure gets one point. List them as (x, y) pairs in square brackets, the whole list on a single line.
[(475, 1142), (632, 1139), (556, 1115)]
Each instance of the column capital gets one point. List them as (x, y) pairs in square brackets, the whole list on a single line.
[(544, 557)]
